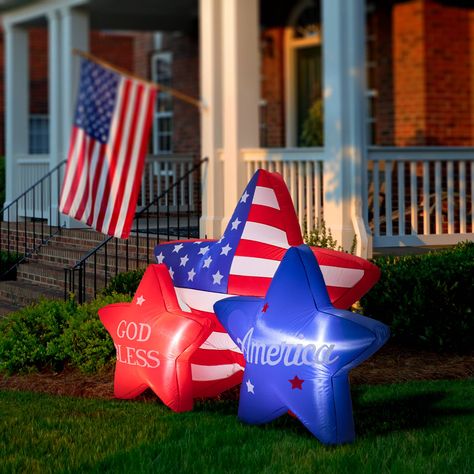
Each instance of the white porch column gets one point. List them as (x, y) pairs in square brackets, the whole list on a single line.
[(241, 93), (54, 65), (344, 120), (211, 117), (16, 104), (74, 30), (75, 35)]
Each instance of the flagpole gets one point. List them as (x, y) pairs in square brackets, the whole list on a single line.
[(170, 90)]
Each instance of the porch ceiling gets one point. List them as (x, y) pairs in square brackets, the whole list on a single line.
[(148, 15)]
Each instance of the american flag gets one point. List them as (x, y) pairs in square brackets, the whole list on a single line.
[(264, 225), (107, 149)]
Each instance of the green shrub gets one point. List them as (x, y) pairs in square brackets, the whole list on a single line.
[(321, 236), (52, 334), (125, 283), (427, 300), (7, 260)]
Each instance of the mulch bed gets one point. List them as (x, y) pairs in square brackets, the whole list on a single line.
[(391, 364)]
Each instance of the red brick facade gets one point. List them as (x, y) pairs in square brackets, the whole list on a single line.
[(424, 75)]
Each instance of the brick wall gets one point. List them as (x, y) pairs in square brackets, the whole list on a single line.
[(424, 74)]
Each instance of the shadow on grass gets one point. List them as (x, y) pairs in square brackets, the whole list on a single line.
[(416, 411), (403, 413)]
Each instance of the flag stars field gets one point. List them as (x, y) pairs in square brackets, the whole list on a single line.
[(236, 223), (203, 250), (207, 262), (160, 258), (217, 277), (177, 248), (191, 274), (184, 260), (244, 197), (225, 250)]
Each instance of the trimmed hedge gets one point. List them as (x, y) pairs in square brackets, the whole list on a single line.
[(427, 300), (125, 283), (52, 334)]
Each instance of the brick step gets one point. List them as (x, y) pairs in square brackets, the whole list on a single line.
[(20, 293), (7, 307), (47, 276), (62, 256), (52, 277)]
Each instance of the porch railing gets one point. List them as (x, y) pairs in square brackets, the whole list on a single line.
[(415, 196), (160, 172), (27, 219), (420, 196), (177, 218), (302, 170)]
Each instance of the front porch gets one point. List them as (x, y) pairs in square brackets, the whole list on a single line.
[(385, 196)]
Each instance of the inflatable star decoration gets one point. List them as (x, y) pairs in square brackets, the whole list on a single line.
[(154, 341), (299, 349)]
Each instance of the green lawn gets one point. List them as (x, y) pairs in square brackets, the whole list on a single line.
[(419, 427)]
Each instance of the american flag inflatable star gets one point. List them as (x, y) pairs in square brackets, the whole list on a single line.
[(242, 262)]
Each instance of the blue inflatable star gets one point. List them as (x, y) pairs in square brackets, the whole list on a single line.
[(299, 349)]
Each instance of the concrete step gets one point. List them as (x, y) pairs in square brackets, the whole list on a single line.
[(18, 294)]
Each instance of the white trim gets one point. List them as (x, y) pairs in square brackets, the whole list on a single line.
[(284, 154), (419, 240), (37, 9), (421, 153)]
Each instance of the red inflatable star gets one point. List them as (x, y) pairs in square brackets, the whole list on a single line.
[(155, 340)]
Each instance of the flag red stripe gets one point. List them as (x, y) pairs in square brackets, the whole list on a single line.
[(141, 163), (250, 248), (129, 140), (95, 183), (266, 215), (69, 167), (210, 357), (114, 149), (248, 286), (86, 194), (72, 192)]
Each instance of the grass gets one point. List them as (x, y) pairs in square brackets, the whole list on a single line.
[(415, 427)]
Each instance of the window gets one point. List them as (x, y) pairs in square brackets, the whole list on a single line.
[(161, 68), (38, 134)]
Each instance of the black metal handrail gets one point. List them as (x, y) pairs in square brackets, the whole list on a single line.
[(18, 250), (85, 276)]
